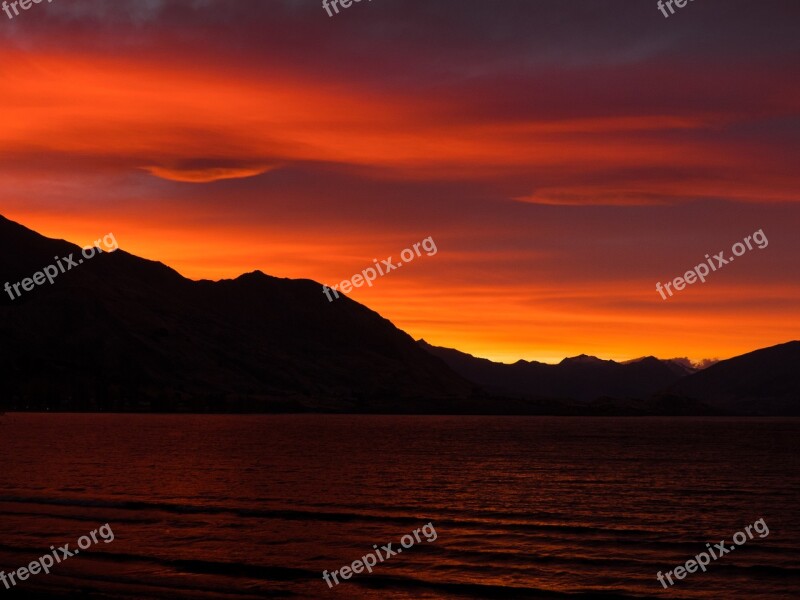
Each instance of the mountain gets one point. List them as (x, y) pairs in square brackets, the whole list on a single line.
[(764, 382), (122, 333), (582, 378)]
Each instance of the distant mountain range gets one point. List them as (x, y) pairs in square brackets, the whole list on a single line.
[(121, 333), (581, 378), (764, 382)]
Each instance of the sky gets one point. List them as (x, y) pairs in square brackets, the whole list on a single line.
[(564, 156)]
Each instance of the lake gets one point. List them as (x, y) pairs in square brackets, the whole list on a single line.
[(522, 507)]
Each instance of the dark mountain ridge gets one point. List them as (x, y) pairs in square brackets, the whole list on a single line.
[(122, 333), (763, 382), (582, 378)]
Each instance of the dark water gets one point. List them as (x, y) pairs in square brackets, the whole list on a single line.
[(254, 507)]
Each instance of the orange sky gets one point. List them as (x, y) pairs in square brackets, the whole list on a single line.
[(561, 176)]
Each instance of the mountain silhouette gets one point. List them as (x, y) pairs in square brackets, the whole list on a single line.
[(582, 378), (120, 332), (764, 382)]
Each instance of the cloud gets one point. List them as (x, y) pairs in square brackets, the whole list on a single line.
[(205, 171), (630, 146), (698, 365)]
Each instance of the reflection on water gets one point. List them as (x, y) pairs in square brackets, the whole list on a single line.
[(534, 507)]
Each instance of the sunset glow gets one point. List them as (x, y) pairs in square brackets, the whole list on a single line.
[(560, 183)]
